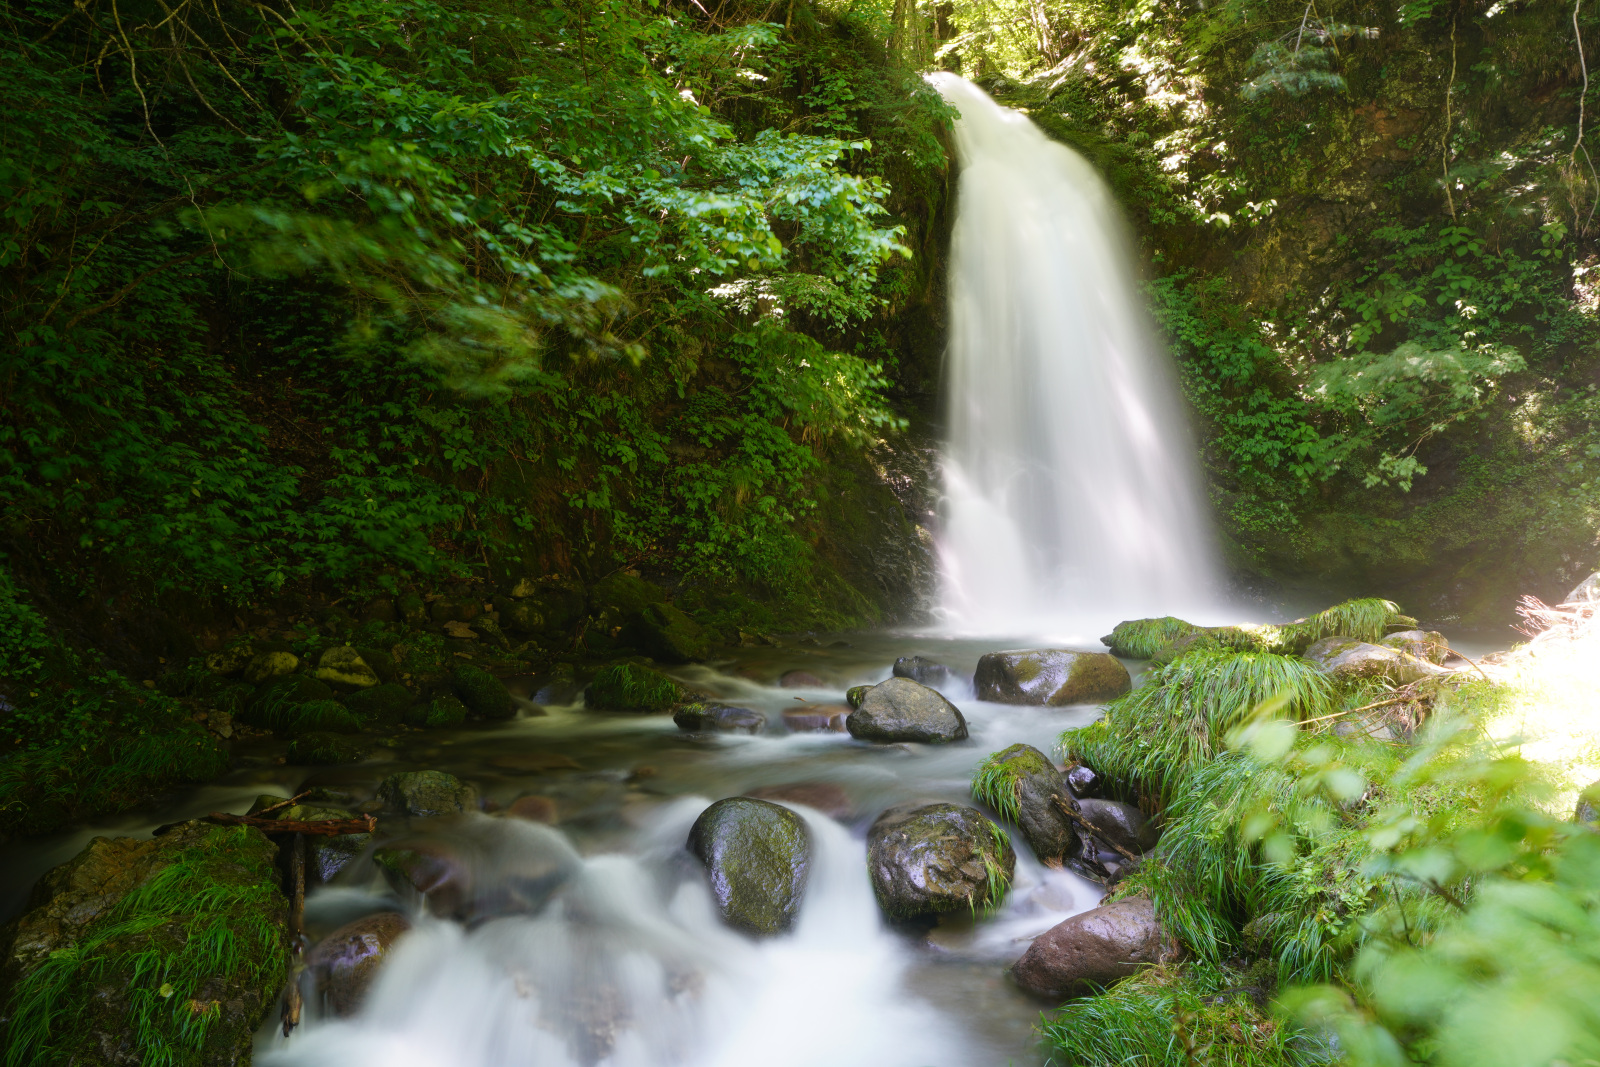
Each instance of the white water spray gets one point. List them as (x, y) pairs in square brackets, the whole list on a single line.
[(1071, 487)]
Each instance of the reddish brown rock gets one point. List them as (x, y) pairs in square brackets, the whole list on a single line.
[(1096, 948), (821, 796), (800, 680), (811, 718), (534, 808), (346, 961)]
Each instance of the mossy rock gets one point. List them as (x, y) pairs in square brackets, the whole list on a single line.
[(326, 748), (855, 695), (1023, 786), (668, 634), (439, 713), (413, 610), (381, 662), (345, 669), (483, 694), (1143, 638), (1051, 677), (627, 594), (758, 855), (385, 703), (199, 906), (426, 793), (631, 687), (926, 859), (316, 716)]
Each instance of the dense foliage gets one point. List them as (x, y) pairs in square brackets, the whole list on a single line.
[(353, 292)]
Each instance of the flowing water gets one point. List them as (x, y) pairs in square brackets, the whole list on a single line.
[(1071, 488), (1070, 505)]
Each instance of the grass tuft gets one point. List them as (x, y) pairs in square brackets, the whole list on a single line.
[(994, 784), (1143, 638), (1364, 620), (630, 687)]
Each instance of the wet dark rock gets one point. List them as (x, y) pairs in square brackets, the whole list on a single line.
[(855, 694), (343, 668), (522, 617), (903, 710), (926, 671), (708, 715), (758, 855), (327, 856), (825, 797), (1083, 781), (1427, 645), (71, 898), (385, 703), (435, 869), (1050, 676), (814, 718), (265, 666), (345, 962), (1120, 824), (1050, 832), (1093, 949), (1344, 659), (668, 634), (326, 748), (483, 694), (925, 859), (800, 680), (426, 793)]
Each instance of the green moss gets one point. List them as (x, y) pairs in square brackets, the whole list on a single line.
[(630, 687), (1143, 638), (483, 694), (995, 782), (186, 965), (440, 712), (381, 703), (1365, 620)]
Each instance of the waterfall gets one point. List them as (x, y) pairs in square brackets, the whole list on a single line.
[(1071, 485)]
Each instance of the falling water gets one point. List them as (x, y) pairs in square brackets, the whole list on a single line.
[(1070, 480)]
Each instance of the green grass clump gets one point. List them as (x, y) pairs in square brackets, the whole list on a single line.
[(1150, 737), (1366, 619), (994, 784), (1143, 638), (630, 687), (1176, 1017), (314, 716), (160, 966), (326, 748)]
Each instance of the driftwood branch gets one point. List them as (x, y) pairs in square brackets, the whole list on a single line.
[(1089, 827), (363, 824)]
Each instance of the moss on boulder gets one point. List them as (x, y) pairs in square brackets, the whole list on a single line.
[(483, 694), (758, 856), (631, 687)]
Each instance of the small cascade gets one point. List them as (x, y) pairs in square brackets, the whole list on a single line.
[(1071, 485)]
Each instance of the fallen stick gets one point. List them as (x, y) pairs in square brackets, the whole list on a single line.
[(1090, 827), (362, 824)]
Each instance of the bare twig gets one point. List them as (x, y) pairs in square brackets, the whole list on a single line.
[(364, 824)]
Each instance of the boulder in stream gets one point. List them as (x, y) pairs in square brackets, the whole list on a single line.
[(483, 694), (225, 887), (758, 855), (708, 715), (1096, 948), (426, 793), (1120, 824), (815, 718), (902, 710), (346, 961), (343, 668), (1344, 659), (1083, 781), (1051, 677), (926, 671), (925, 859), (668, 634), (1023, 785), (632, 687)]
